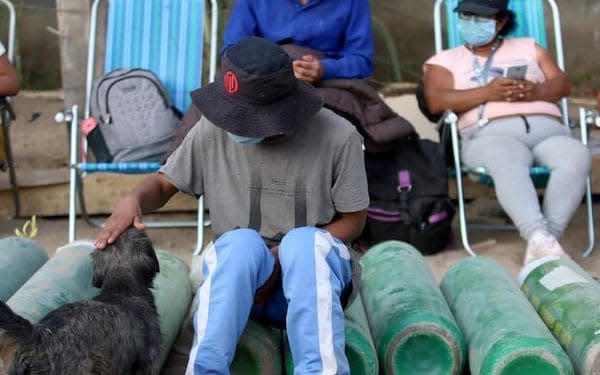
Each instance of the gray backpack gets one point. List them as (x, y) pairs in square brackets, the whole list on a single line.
[(135, 117)]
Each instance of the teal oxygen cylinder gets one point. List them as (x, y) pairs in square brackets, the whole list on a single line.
[(19, 259), (505, 335), (172, 295), (360, 350), (65, 278), (412, 326), (568, 300), (258, 351)]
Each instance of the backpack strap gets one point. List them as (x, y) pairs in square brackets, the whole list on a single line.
[(404, 188)]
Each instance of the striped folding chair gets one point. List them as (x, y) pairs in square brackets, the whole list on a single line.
[(531, 21), (7, 115), (164, 36)]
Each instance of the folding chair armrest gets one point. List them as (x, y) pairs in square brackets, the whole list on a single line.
[(6, 106), (446, 119), (587, 118)]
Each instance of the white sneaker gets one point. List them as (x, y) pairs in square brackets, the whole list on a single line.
[(542, 244)]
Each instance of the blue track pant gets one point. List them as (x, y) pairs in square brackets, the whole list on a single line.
[(316, 270)]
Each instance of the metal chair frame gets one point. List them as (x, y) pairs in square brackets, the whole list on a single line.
[(76, 173), (451, 119)]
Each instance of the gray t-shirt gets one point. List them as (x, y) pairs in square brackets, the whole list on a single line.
[(297, 180)]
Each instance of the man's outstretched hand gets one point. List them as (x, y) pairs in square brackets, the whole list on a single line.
[(127, 213)]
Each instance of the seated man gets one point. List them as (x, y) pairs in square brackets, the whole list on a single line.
[(331, 45), (9, 80), (339, 31), (286, 184), (9, 86)]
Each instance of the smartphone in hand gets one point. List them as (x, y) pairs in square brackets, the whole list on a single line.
[(515, 72)]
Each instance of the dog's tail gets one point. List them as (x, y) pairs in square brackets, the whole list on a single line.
[(13, 325)]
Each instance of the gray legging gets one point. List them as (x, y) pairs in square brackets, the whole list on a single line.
[(507, 147)]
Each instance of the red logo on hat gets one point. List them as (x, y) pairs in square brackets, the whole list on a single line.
[(231, 82)]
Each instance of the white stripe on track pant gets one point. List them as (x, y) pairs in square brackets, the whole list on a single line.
[(316, 270)]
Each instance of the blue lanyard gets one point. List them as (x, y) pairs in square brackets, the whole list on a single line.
[(482, 74)]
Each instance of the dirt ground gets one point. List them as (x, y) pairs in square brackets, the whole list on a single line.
[(40, 143)]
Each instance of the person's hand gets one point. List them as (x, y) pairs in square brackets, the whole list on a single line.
[(127, 213), (504, 90), (308, 69), (526, 91)]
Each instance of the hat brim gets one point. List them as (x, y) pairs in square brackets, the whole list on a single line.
[(258, 120), (478, 9)]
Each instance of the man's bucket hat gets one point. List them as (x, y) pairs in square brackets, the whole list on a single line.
[(256, 93)]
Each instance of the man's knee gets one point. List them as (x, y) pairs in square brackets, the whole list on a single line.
[(299, 235), (241, 243), (296, 244)]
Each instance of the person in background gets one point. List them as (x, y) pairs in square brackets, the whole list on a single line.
[(287, 188), (331, 44), (9, 79), (338, 31), (9, 86), (509, 123)]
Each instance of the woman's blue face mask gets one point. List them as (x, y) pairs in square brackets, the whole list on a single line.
[(244, 140), (477, 31)]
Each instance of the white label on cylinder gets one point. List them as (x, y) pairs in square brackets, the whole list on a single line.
[(561, 276)]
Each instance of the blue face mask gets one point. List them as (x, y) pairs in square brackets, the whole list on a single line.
[(244, 140), (477, 32)]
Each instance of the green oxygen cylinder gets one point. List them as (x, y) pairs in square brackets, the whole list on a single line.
[(258, 351), (412, 326), (568, 300), (65, 278), (172, 296), (360, 350), (19, 259), (504, 333)]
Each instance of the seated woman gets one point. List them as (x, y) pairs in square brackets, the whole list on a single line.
[(508, 124)]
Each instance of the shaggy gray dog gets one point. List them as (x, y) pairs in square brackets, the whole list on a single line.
[(117, 332)]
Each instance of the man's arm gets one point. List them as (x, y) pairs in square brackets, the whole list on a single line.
[(242, 23), (356, 58), (9, 80), (149, 195), (348, 226)]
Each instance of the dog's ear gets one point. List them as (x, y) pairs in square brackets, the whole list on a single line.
[(143, 257), (145, 260)]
